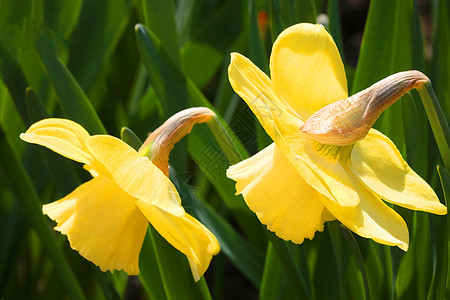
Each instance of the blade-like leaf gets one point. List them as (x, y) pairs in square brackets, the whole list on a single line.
[(100, 25), (159, 16), (72, 98), (274, 279), (439, 287), (24, 188)]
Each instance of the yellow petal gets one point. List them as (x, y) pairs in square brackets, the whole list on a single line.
[(381, 167), (372, 218), (306, 69), (135, 174), (103, 223), (62, 136), (321, 166), (186, 234), (351, 203), (281, 199), (324, 174), (252, 85)]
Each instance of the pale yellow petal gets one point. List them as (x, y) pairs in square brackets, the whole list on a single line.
[(135, 174), (281, 199), (372, 218), (320, 170), (255, 88), (306, 69), (62, 136), (186, 234), (103, 223), (378, 163)]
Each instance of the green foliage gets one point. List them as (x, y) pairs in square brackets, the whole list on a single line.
[(114, 64)]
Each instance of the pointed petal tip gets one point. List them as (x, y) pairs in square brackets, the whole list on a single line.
[(403, 246), (440, 209)]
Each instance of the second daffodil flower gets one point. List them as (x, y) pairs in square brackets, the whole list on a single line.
[(106, 218), (326, 163)]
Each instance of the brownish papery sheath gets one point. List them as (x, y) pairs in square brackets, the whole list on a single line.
[(160, 142), (347, 121)]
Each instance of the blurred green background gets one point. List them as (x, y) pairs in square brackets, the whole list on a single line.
[(88, 61)]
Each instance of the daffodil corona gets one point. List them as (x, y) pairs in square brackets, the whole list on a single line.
[(301, 181), (106, 218)]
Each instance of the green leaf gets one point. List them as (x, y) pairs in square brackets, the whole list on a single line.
[(159, 16), (359, 259), (440, 64), (100, 25), (72, 98), (61, 170), (150, 274), (63, 16), (24, 188), (175, 271), (336, 243), (297, 279), (274, 279), (335, 25), (203, 54), (439, 288), (243, 255)]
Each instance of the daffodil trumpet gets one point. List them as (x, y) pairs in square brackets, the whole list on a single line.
[(326, 161), (106, 218)]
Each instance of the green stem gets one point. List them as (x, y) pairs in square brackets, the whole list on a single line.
[(295, 277), (335, 236), (437, 121), (359, 259), (224, 140)]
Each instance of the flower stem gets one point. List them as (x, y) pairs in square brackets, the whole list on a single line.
[(359, 259), (224, 140), (295, 277), (437, 121)]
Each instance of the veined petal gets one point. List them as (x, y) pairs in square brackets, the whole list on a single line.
[(135, 174), (378, 163), (306, 69), (281, 199), (103, 223), (186, 234), (372, 218), (62, 136)]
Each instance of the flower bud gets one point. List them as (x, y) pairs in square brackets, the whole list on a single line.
[(347, 121), (160, 142)]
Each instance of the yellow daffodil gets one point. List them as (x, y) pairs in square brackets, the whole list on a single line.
[(297, 183), (106, 218)]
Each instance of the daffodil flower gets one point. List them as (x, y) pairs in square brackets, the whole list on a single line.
[(106, 218), (301, 181)]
